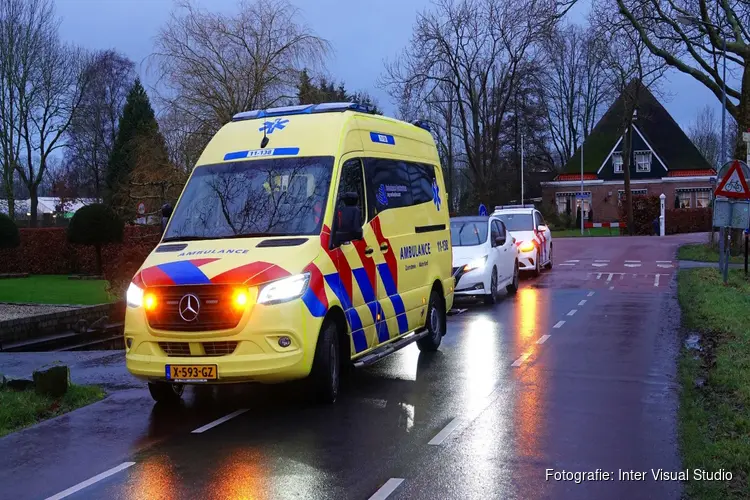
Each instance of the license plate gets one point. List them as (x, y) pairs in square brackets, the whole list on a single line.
[(191, 372)]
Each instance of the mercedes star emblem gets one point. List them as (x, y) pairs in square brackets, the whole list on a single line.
[(189, 307)]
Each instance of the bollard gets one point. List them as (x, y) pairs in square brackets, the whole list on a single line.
[(662, 198)]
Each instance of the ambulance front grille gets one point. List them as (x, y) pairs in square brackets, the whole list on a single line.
[(219, 348), (182, 349), (175, 348), (214, 309)]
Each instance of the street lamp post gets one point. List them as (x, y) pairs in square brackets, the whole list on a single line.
[(694, 21)]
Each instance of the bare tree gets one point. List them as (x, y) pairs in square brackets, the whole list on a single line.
[(92, 132), (213, 65), (478, 49), (704, 132), (574, 86), (697, 48), (630, 68)]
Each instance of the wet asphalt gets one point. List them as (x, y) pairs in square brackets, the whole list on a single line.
[(518, 391)]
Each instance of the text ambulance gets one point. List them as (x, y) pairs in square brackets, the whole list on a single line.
[(307, 238)]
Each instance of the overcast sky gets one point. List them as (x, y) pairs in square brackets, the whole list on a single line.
[(363, 34)]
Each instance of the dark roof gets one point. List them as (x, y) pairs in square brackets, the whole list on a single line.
[(664, 135)]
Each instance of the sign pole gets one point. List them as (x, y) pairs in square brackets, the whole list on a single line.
[(721, 249), (727, 249), (745, 233)]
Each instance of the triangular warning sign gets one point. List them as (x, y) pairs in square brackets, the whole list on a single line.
[(733, 185)]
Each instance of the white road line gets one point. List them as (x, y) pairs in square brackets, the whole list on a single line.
[(219, 421), (85, 484), (599, 264), (632, 265), (582, 302), (572, 312), (664, 266), (663, 261), (442, 435), (542, 339), (520, 360), (611, 288), (566, 264), (559, 324), (388, 488), (591, 294), (609, 278), (656, 279), (572, 260), (632, 261), (601, 260), (598, 276)]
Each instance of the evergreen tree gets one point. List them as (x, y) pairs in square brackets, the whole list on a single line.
[(310, 92), (137, 127)]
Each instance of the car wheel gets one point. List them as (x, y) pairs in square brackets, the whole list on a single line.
[(326, 370), (549, 264), (513, 287), (435, 324), (166, 392), (491, 297), (537, 267)]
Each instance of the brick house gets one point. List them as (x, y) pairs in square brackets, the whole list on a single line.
[(664, 160)]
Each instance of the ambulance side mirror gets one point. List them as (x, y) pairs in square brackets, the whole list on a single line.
[(348, 222)]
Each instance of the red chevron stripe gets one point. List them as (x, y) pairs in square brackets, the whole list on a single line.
[(203, 262), (251, 274), (153, 276), (317, 283), (368, 263), (339, 261), (390, 255)]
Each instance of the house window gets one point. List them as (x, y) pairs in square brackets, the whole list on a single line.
[(617, 162), (703, 199), (643, 161), (563, 199), (633, 192), (684, 198)]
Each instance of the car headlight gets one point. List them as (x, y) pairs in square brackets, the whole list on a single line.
[(476, 264), (526, 246), (134, 296), (284, 289)]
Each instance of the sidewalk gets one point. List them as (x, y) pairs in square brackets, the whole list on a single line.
[(691, 264)]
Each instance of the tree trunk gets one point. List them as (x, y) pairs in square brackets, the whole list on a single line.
[(626, 152), (98, 259), (743, 118), (33, 205)]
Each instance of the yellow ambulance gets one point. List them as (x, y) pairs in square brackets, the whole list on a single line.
[(308, 239)]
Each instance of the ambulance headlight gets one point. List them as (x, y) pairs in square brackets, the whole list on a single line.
[(284, 289), (475, 264), (134, 296)]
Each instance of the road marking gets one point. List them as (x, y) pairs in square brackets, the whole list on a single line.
[(632, 265), (632, 261), (598, 264), (663, 261), (219, 421), (611, 288), (542, 339), (85, 484), (609, 278), (664, 266), (572, 312), (598, 276), (601, 260), (559, 324), (591, 294), (582, 302), (388, 488), (520, 360), (442, 435), (566, 264), (572, 260), (656, 279)]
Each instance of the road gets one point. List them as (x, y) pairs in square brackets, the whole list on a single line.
[(575, 373)]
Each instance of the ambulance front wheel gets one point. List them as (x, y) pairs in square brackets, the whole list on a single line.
[(435, 324), (165, 392), (326, 370)]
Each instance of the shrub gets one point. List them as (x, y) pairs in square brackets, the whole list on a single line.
[(120, 271), (645, 210), (687, 220), (9, 235), (95, 225)]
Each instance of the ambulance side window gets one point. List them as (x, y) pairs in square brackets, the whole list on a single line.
[(352, 181)]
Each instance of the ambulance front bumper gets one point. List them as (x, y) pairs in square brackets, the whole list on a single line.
[(251, 352)]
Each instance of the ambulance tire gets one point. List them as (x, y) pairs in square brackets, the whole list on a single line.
[(326, 371), (436, 323), (165, 392)]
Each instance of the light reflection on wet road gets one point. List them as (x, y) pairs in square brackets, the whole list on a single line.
[(608, 367)]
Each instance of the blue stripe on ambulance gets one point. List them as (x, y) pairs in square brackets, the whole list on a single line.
[(358, 334), (392, 291), (313, 303), (368, 294), (184, 272), (382, 138)]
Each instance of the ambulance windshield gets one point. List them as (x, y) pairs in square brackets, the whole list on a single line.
[(264, 197)]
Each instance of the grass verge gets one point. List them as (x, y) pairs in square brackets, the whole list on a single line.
[(715, 417), (46, 289), (705, 252), (25, 408), (594, 231)]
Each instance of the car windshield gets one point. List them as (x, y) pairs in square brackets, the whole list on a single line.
[(517, 222), (468, 233), (266, 197)]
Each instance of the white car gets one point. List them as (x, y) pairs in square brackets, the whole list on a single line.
[(533, 237), (485, 257)]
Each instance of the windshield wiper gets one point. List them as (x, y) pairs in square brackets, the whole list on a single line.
[(185, 238), (227, 237)]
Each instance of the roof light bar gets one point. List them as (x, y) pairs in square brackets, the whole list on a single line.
[(303, 109)]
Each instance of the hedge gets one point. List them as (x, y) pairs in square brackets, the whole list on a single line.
[(688, 220), (645, 210), (47, 251)]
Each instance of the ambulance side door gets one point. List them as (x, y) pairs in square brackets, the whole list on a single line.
[(360, 258)]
